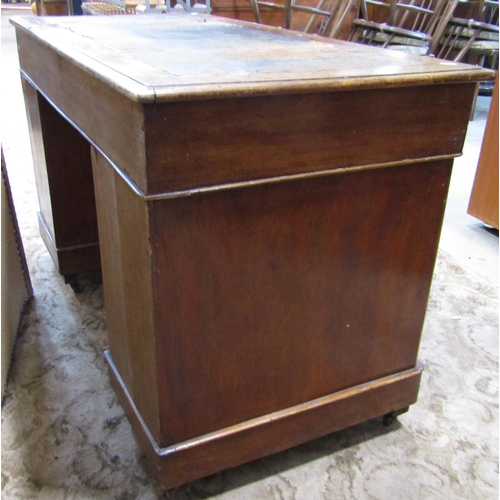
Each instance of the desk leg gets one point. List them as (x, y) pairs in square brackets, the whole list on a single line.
[(63, 173)]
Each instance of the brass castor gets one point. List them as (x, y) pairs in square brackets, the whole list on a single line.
[(392, 416)]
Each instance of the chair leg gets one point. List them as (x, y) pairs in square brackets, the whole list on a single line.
[(255, 8), (288, 14), (473, 109)]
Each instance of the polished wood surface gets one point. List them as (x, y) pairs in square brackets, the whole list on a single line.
[(291, 307), (269, 209), (483, 202)]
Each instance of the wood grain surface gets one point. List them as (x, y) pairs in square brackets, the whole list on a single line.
[(272, 296), (156, 58), (195, 144)]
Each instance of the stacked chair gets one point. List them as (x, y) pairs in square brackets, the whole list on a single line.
[(456, 30), (390, 23), (333, 14), (428, 27), (472, 38), (407, 25)]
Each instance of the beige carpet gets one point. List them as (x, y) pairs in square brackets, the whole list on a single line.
[(64, 436)]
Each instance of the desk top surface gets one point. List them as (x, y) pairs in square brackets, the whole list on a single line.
[(170, 57)]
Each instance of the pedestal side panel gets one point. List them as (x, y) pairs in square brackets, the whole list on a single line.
[(38, 153), (63, 172), (126, 267), (275, 295)]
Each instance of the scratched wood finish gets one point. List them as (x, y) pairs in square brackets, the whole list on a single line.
[(68, 221), (249, 317), (196, 57)]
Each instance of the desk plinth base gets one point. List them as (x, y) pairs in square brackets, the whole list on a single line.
[(199, 457), (70, 260)]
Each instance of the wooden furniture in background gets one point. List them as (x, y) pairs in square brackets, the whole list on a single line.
[(326, 17), (51, 8), (483, 202), (242, 10), (472, 38), (95, 8), (406, 24), (287, 7), (267, 246)]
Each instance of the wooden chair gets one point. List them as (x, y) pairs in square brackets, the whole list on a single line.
[(289, 6), (331, 26), (476, 36), (407, 24), (473, 40)]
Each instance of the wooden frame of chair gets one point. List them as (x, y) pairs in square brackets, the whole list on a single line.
[(288, 7), (404, 22), (332, 25), (462, 34)]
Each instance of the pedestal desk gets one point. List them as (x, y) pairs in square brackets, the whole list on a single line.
[(268, 210)]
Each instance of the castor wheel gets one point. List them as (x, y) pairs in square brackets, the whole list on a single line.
[(392, 416), (173, 493), (389, 419), (72, 281)]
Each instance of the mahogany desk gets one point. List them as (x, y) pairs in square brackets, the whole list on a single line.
[(269, 207)]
